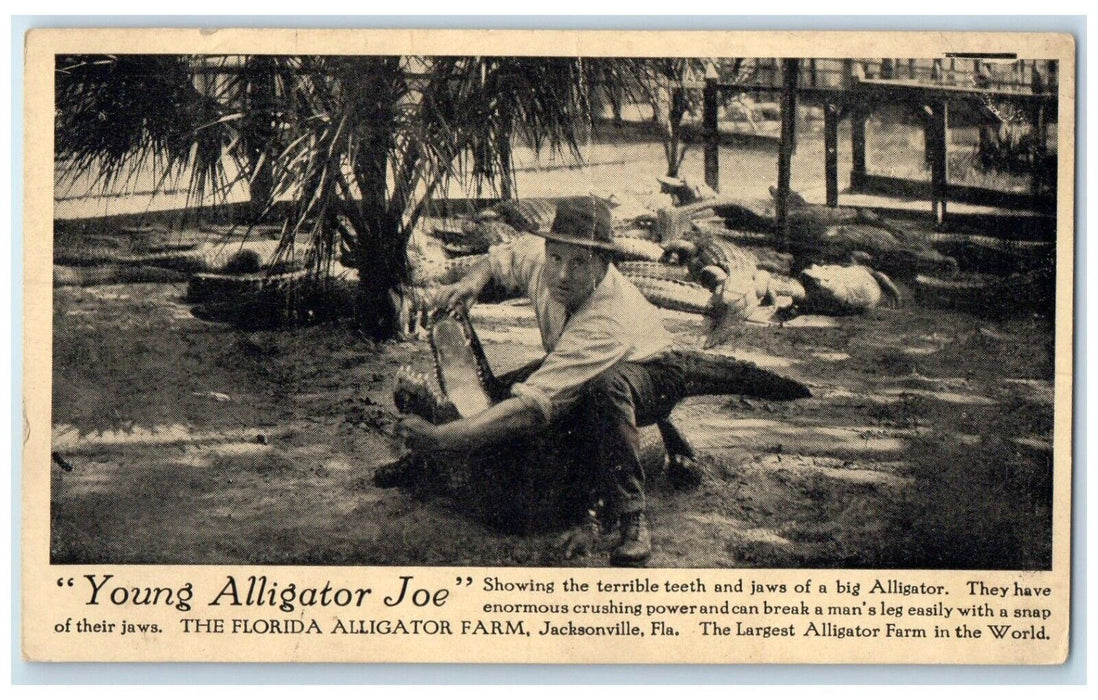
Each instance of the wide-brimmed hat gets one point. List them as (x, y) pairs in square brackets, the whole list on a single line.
[(582, 221)]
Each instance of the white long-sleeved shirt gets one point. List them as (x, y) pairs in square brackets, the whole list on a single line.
[(615, 324)]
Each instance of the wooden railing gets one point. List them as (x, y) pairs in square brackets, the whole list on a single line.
[(852, 88)]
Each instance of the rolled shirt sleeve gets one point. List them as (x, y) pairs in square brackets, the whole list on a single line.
[(583, 352)]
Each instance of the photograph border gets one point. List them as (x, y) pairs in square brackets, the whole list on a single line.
[(379, 673)]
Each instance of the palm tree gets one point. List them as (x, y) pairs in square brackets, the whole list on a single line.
[(358, 144), (673, 90)]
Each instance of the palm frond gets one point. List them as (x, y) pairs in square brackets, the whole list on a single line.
[(356, 144), (119, 115)]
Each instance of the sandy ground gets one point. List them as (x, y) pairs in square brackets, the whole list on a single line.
[(927, 444)]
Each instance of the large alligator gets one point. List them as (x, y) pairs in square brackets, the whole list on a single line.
[(528, 484), (719, 280), (995, 255), (87, 266), (817, 233), (738, 285), (822, 234), (466, 383), (838, 290)]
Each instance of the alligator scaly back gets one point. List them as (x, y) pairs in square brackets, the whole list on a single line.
[(645, 268), (425, 271), (722, 253), (677, 295), (712, 373), (637, 249)]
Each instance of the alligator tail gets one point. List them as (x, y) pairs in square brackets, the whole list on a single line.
[(711, 373)]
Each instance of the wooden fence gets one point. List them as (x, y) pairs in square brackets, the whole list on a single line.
[(928, 89)]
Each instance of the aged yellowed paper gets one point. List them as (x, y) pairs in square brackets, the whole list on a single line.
[(872, 232)]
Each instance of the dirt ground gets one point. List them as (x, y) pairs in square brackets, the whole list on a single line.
[(927, 443)]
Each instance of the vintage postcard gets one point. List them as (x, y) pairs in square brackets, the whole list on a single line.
[(548, 346)]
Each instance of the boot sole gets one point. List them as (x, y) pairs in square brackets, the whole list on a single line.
[(619, 560)]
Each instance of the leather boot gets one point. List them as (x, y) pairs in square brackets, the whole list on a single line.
[(636, 544)]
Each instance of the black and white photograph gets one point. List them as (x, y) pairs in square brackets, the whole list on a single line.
[(708, 312)]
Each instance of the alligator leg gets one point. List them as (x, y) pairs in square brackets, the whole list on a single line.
[(675, 442), (683, 469), (731, 304), (890, 290)]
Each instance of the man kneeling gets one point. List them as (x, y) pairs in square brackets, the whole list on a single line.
[(608, 365)]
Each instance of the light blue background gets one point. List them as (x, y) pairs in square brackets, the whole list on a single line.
[(1074, 672)]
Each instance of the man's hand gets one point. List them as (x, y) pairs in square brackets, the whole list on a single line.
[(459, 294), (465, 291), (420, 435)]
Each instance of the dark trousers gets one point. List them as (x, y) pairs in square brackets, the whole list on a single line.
[(599, 433)]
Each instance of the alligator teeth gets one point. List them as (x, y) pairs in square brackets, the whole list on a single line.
[(414, 393)]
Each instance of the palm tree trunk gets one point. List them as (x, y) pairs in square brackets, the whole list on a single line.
[(258, 133), (674, 118), (381, 254), (507, 186), (379, 276)]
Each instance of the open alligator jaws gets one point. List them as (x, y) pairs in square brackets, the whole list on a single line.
[(527, 483)]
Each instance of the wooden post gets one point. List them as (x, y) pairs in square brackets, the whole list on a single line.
[(938, 124), (1040, 147), (858, 117), (831, 153), (790, 68), (1037, 117), (712, 138)]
